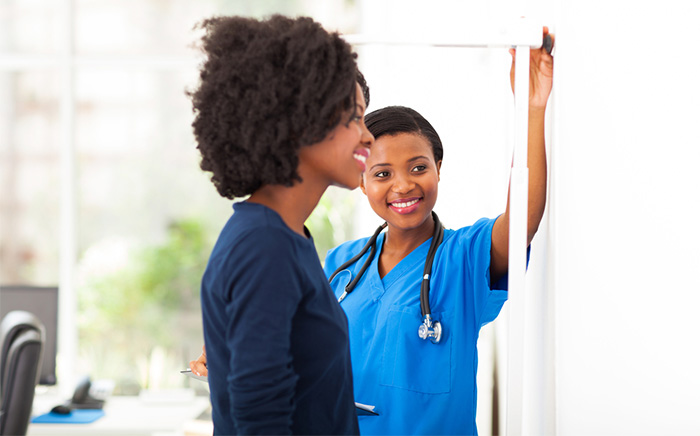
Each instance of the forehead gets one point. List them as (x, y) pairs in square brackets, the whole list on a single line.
[(400, 147)]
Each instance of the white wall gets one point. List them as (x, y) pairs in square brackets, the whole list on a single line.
[(624, 214)]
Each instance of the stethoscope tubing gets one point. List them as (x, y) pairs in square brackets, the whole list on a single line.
[(371, 243), (438, 234)]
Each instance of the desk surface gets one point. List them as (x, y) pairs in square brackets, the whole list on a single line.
[(132, 416)]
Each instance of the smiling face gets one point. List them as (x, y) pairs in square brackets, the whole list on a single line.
[(340, 158), (401, 181)]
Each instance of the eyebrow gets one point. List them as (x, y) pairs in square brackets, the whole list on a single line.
[(413, 159), (361, 107), (417, 158)]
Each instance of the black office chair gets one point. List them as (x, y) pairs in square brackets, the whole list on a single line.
[(22, 336)]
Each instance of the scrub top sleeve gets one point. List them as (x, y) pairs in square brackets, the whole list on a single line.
[(261, 380), (488, 300)]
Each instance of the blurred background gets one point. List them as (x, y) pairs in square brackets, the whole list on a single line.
[(101, 193), (100, 188)]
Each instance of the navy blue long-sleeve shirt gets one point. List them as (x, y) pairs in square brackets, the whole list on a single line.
[(277, 340)]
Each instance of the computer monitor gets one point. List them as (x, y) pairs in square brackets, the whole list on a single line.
[(42, 301)]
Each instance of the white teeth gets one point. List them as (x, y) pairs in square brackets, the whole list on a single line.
[(402, 205), (360, 157)]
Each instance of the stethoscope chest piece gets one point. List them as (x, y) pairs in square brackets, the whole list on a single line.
[(430, 329)]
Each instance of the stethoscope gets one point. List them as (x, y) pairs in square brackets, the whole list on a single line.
[(429, 329)]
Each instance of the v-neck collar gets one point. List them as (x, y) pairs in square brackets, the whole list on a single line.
[(407, 264)]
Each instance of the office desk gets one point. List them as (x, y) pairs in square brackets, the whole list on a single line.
[(132, 416)]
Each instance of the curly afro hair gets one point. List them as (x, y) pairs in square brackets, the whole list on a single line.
[(267, 88)]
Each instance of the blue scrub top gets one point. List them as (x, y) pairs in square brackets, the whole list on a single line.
[(416, 386)]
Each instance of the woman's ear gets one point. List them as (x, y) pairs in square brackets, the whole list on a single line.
[(362, 184), (439, 164)]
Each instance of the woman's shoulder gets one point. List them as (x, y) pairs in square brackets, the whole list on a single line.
[(481, 228), (256, 231), (351, 245), (340, 254)]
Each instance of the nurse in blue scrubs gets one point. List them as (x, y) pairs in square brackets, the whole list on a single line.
[(418, 386)]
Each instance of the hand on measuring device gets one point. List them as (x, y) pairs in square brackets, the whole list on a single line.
[(541, 71)]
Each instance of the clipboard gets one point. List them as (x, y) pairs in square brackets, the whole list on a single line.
[(360, 409), (365, 409), (188, 372)]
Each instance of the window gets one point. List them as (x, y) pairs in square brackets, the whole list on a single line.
[(100, 189)]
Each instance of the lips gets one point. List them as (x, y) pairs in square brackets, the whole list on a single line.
[(405, 205), (361, 155)]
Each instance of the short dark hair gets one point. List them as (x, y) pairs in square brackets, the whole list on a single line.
[(393, 120), (268, 87)]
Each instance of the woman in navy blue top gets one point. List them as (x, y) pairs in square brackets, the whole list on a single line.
[(279, 116)]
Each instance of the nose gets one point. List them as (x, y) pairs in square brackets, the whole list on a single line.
[(366, 139), (402, 183)]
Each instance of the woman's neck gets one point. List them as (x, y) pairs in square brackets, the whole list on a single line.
[(399, 243), (294, 204)]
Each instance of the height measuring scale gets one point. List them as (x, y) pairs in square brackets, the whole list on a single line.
[(521, 35)]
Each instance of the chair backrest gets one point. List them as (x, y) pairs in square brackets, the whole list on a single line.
[(22, 336)]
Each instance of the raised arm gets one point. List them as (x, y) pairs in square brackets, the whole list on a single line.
[(541, 69)]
